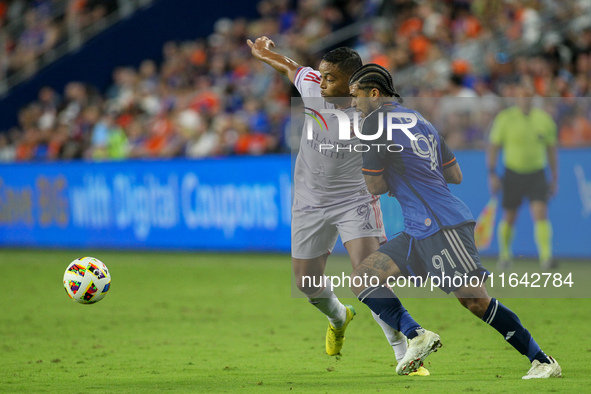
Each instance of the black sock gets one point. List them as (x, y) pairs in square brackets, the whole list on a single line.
[(508, 324)]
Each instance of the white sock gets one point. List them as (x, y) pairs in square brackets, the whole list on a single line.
[(328, 303), (396, 339)]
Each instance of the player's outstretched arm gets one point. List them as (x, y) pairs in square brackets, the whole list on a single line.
[(261, 50)]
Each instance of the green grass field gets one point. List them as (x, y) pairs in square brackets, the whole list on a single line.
[(182, 322)]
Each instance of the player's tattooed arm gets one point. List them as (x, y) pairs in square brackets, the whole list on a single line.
[(376, 184), (261, 49)]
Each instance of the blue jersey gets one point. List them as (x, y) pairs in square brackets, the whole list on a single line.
[(413, 170)]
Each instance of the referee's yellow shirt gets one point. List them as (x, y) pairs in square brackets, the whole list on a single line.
[(524, 138)]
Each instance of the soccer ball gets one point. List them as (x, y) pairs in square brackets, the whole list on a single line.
[(87, 280)]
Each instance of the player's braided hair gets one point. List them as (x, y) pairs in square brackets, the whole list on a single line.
[(346, 59), (372, 76)]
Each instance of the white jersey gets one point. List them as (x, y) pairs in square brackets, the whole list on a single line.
[(326, 176)]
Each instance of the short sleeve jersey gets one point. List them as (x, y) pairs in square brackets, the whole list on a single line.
[(413, 171), (325, 176), (524, 138)]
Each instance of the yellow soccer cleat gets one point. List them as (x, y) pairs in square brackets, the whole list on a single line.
[(422, 371), (336, 336)]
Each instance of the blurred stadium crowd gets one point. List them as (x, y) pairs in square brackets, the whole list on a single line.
[(461, 60), (31, 28)]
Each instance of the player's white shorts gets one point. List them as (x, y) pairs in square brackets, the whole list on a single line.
[(314, 231)]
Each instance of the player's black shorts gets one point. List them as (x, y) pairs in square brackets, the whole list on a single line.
[(534, 186), (447, 253)]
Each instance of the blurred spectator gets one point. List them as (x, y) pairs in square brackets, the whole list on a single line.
[(40, 34), (49, 102), (108, 139), (160, 135), (31, 28), (576, 129), (7, 150)]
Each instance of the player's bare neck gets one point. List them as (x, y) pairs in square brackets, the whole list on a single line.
[(343, 102)]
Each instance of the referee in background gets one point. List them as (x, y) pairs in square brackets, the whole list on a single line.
[(528, 137)]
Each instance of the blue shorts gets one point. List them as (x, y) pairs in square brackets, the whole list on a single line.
[(447, 253)]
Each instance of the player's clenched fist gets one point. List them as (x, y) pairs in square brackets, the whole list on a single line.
[(260, 45)]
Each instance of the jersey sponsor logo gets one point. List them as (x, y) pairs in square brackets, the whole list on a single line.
[(318, 142), (317, 117)]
